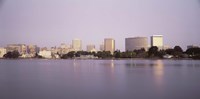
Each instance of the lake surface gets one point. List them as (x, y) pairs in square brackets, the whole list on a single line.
[(99, 79)]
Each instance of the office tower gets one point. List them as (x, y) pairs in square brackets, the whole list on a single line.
[(76, 44), (109, 45), (157, 40), (136, 43), (91, 48)]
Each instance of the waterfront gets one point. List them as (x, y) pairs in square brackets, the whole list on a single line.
[(99, 79)]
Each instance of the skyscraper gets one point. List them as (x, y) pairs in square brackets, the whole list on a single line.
[(157, 40), (109, 45), (136, 43), (76, 44)]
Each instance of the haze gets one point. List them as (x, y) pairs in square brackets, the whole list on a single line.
[(51, 22)]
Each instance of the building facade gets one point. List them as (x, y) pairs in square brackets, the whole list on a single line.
[(21, 48), (64, 49), (101, 47), (45, 54), (77, 45), (32, 49), (157, 40), (192, 46), (109, 45), (2, 52), (136, 43), (91, 48)]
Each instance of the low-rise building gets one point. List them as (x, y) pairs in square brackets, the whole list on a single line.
[(21, 48), (45, 54), (2, 52), (192, 46), (101, 47), (32, 50), (91, 48)]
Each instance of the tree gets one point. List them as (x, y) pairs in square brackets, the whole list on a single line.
[(68, 55), (178, 49), (192, 52), (153, 51), (140, 53), (71, 54), (178, 52), (14, 54), (117, 54), (104, 54), (170, 51)]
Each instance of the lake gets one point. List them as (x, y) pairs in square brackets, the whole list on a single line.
[(99, 79)]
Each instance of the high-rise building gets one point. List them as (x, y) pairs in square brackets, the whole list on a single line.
[(157, 40), (109, 45), (76, 44), (91, 48), (136, 43)]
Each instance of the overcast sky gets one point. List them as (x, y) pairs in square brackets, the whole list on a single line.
[(51, 22)]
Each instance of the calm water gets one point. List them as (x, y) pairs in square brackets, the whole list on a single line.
[(99, 79)]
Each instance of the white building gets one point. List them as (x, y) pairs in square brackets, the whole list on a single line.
[(45, 54), (2, 52), (77, 45), (109, 45), (157, 40)]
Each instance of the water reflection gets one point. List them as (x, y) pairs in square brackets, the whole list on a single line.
[(112, 63), (193, 63), (99, 79), (158, 72)]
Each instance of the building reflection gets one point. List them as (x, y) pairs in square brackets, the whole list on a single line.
[(158, 72), (112, 64)]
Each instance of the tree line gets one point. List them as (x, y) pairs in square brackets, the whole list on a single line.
[(152, 52)]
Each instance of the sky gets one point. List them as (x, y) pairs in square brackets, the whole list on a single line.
[(52, 22)]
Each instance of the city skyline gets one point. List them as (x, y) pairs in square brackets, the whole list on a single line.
[(76, 44), (49, 22)]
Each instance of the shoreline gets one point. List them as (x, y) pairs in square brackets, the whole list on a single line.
[(99, 59)]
